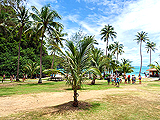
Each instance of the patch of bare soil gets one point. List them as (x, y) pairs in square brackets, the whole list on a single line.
[(27, 102)]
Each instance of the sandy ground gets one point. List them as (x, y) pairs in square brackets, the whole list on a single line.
[(27, 102)]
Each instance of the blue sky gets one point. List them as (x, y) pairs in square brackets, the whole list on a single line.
[(126, 16)]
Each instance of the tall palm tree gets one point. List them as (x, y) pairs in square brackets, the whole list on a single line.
[(150, 46), (118, 48), (23, 18), (45, 22), (77, 58), (141, 37), (108, 32)]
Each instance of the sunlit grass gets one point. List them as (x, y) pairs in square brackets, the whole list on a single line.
[(127, 106)]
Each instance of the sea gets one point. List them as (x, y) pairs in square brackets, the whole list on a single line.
[(136, 71)]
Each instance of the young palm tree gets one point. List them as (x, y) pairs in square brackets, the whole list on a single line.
[(45, 22), (23, 18), (141, 37), (31, 67), (118, 48), (98, 61), (77, 59), (150, 46), (125, 66), (108, 32)]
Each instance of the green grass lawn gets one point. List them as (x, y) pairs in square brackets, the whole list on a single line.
[(29, 86), (140, 104)]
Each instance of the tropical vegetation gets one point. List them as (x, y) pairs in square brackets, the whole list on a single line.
[(27, 38), (141, 37), (150, 46)]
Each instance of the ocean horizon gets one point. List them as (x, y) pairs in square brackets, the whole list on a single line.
[(136, 71)]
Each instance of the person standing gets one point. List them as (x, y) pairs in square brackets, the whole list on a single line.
[(108, 79), (26, 76), (11, 78), (140, 78), (117, 81), (128, 79), (23, 78), (4, 77), (125, 78)]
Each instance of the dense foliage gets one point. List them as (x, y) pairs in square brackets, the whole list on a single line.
[(9, 42)]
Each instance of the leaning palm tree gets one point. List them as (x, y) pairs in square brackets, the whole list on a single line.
[(23, 18), (118, 48), (108, 32), (77, 59), (150, 46), (141, 37), (45, 22)]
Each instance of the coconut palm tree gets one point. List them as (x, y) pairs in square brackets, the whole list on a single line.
[(56, 38), (77, 58), (98, 61), (107, 32), (150, 46), (45, 22), (141, 37), (22, 18), (125, 66), (31, 67), (117, 48)]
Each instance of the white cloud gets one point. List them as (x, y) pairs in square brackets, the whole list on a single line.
[(73, 18)]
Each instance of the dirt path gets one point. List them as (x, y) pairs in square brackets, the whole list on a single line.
[(17, 103)]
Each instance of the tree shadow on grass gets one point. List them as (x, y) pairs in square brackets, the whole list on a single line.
[(68, 107)]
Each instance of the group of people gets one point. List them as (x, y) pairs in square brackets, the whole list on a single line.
[(117, 80), (114, 78), (13, 78)]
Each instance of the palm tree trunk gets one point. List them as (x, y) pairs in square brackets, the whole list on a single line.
[(53, 60), (107, 48), (141, 58), (117, 56), (93, 81), (21, 28), (106, 55), (150, 56), (40, 80), (75, 102)]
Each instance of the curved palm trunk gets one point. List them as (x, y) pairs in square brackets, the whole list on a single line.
[(141, 58), (40, 80), (17, 78)]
